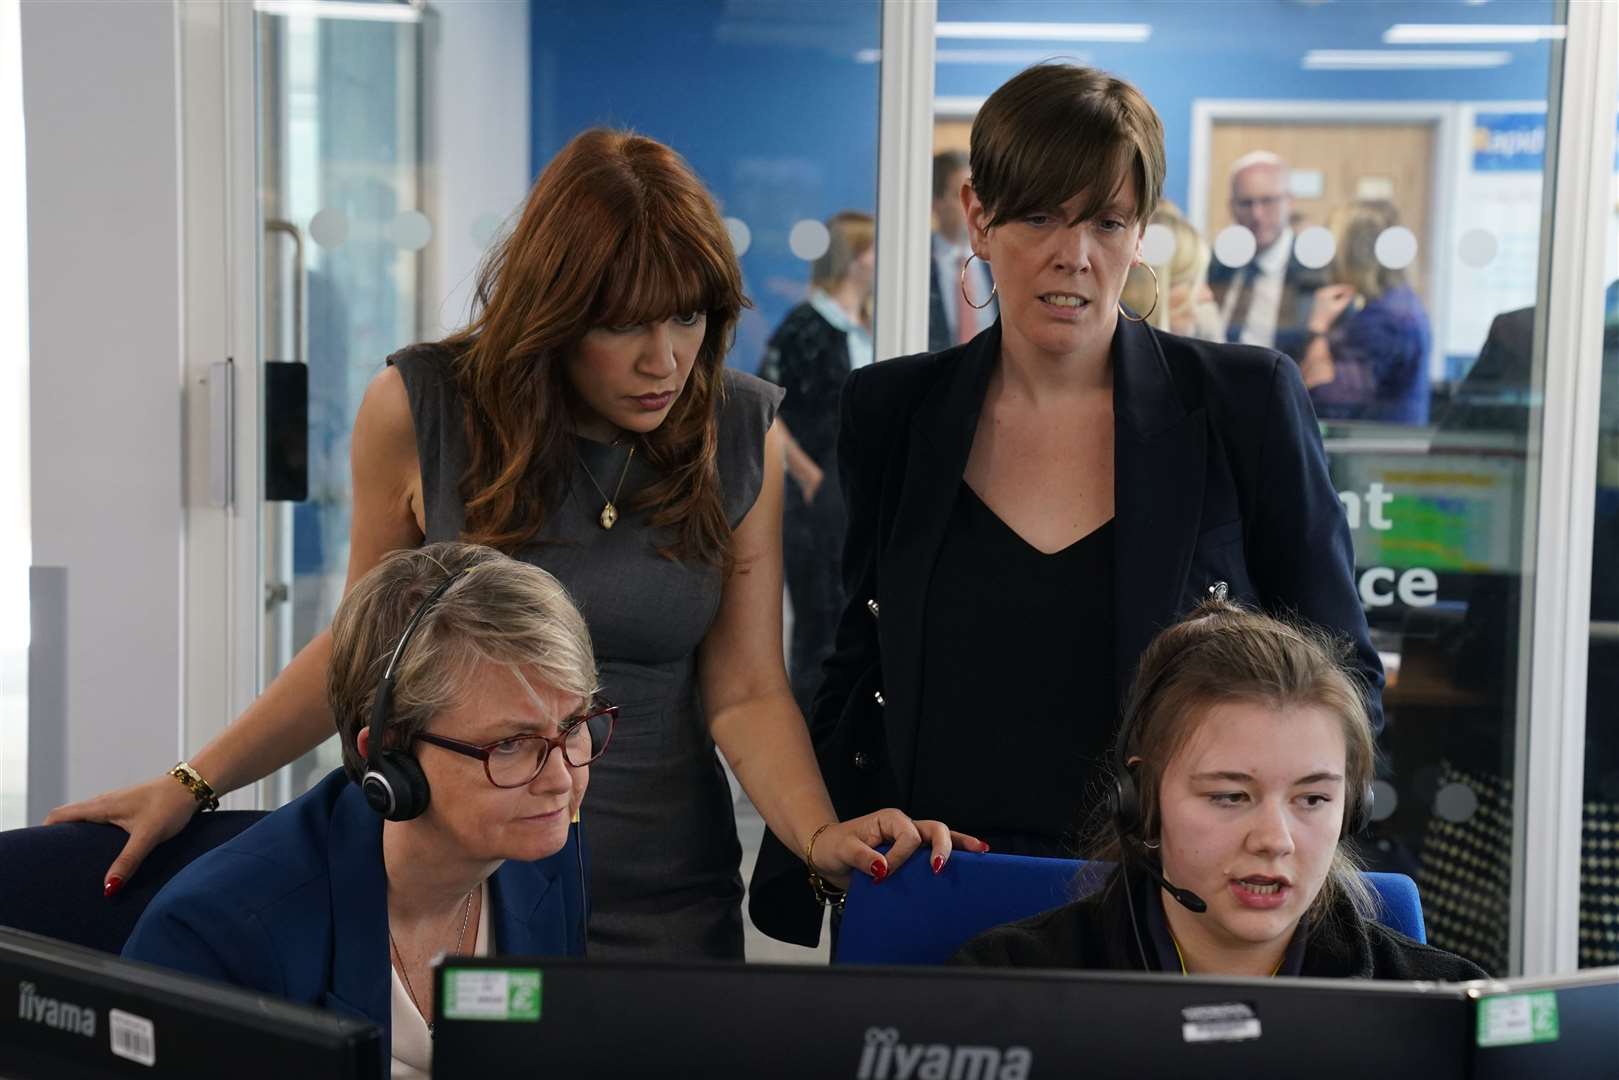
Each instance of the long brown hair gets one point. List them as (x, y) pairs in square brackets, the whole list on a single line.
[(616, 231)]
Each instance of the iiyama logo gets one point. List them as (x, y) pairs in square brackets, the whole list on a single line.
[(61, 1015), (886, 1058)]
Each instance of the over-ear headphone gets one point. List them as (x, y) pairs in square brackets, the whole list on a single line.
[(394, 784)]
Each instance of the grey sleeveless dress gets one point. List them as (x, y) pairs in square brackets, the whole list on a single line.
[(660, 830)]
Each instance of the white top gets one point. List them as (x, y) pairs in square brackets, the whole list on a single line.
[(858, 337), (1260, 326), (947, 259), (412, 1049)]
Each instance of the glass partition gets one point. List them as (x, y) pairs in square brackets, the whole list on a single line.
[(1361, 189)]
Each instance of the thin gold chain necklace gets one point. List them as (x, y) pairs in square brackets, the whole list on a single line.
[(609, 515), (466, 913)]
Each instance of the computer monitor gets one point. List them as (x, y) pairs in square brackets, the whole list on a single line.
[(1559, 1025), (71, 1013), (504, 1016)]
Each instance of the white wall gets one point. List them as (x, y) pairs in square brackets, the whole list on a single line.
[(100, 100), (14, 557), (478, 146)]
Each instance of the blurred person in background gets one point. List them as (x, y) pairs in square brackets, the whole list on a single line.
[(1266, 301), (1187, 306), (1367, 354), (810, 355), (951, 319)]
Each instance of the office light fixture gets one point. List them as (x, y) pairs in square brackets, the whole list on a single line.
[(1402, 59), (1044, 31), (341, 9), (1471, 34)]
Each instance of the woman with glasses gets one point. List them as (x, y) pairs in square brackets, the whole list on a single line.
[(1026, 510), (480, 733), (585, 422)]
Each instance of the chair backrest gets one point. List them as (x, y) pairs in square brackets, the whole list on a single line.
[(917, 917), (51, 881)]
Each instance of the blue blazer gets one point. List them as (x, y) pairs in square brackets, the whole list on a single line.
[(296, 906)]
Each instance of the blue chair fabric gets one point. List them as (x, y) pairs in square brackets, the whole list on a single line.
[(51, 876), (915, 917)]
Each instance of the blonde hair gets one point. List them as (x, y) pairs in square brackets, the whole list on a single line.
[(851, 233), (1225, 653), (1355, 227), (1188, 265), (508, 613)]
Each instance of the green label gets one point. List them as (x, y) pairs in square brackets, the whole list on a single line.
[(492, 994), (1515, 1019)]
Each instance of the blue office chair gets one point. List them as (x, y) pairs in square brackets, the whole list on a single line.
[(52, 878), (915, 917)]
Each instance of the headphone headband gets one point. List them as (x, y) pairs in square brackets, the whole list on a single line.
[(394, 783)]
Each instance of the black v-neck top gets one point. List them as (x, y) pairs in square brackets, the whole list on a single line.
[(1018, 697)]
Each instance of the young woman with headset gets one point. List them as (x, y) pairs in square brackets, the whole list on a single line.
[(448, 827), (1242, 770), (585, 422)]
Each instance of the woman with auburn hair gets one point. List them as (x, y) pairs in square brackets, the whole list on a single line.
[(585, 422), (1244, 762)]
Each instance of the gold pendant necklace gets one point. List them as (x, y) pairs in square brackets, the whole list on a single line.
[(609, 515)]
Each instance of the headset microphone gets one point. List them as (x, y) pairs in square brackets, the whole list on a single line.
[(1185, 897)]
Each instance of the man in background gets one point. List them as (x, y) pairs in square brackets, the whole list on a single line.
[(951, 318), (1267, 302)]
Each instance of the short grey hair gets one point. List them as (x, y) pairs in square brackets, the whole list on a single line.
[(503, 612)]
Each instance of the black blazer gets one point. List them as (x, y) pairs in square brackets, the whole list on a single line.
[(1095, 934), (1219, 475)]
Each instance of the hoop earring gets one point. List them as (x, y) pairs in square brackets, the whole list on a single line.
[(964, 295), (1148, 315)]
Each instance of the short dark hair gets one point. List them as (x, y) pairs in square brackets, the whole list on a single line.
[(946, 163), (1056, 130)]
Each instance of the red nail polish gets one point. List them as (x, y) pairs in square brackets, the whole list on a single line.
[(114, 883), (879, 870), (983, 850), (938, 863)]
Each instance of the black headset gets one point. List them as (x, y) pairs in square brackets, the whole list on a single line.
[(394, 783)]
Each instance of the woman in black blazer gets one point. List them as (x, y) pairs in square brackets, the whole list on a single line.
[(1026, 511)]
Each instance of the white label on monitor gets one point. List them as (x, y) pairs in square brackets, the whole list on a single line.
[(133, 1037), (1233, 1022)]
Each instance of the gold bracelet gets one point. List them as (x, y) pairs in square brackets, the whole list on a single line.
[(825, 894), (193, 782)]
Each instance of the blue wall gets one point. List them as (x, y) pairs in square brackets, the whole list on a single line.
[(767, 101), (774, 108)]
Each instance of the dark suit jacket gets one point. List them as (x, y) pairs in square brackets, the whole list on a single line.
[(1299, 284), (938, 319), (297, 906), (1219, 475)]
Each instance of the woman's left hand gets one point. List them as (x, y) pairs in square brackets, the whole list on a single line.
[(852, 845), (1330, 302)]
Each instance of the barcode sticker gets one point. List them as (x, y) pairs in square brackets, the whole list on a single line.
[(133, 1037), (1231, 1022)]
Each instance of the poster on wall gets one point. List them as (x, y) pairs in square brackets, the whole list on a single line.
[(1496, 256)]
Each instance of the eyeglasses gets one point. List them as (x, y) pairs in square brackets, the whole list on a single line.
[(515, 762), (1266, 201)]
